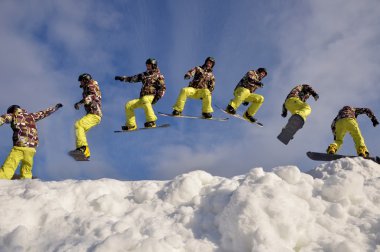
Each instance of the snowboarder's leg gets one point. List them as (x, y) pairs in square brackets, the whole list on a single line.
[(354, 130), (82, 126), (11, 163), (295, 123), (296, 106), (240, 94), (148, 108), (205, 94), (27, 163), (340, 132), (182, 97), (130, 112), (256, 102)]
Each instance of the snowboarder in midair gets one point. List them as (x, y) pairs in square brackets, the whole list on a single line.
[(345, 122), (295, 102), (92, 101), (244, 94), (25, 139), (201, 87), (153, 89)]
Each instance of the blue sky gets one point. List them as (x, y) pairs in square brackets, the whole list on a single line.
[(45, 45)]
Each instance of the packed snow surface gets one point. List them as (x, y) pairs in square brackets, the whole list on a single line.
[(336, 207)]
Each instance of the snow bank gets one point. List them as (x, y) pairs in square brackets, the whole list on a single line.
[(336, 207)]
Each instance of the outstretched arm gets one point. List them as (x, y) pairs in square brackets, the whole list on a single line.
[(7, 118), (44, 113), (134, 78), (311, 91), (369, 113)]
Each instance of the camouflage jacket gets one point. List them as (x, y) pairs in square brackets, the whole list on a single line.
[(92, 98), (23, 125), (303, 92), (153, 83), (202, 78), (351, 112), (251, 81)]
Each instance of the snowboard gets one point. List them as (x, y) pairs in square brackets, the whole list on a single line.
[(144, 128), (240, 117), (195, 117), (295, 123), (318, 156), (78, 155)]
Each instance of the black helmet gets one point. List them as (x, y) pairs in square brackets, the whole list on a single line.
[(262, 70), (85, 77), (152, 62), (12, 109), (211, 59)]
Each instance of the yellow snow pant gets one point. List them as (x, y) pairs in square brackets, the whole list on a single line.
[(194, 93), (296, 106), (82, 126), (144, 102), (18, 154), (350, 125), (244, 95)]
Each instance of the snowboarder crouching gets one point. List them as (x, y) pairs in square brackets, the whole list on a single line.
[(345, 122), (92, 101), (153, 89), (244, 93), (201, 87), (25, 140)]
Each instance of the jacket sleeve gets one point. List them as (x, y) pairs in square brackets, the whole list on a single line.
[(43, 113), (367, 111), (160, 87), (191, 72), (310, 90), (7, 118), (136, 78)]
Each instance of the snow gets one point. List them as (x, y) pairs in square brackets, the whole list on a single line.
[(334, 207)]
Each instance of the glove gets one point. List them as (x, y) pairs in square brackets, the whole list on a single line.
[(77, 105), (260, 84), (59, 105), (245, 103), (155, 99), (187, 77), (375, 122), (120, 78), (284, 112), (316, 97)]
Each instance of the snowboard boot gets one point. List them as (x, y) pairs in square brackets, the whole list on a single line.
[(85, 150), (230, 110), (249, 118), (331, 149), (176, 113), (151, 124), (295, 123), (129, 127), (207, 115), (363, 152)]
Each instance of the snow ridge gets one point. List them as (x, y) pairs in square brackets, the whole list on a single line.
[(335, 207)]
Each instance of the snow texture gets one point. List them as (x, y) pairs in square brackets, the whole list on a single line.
[(335, 207)]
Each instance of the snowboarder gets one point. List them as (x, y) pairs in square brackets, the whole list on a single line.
[(92, 101), (153, 89), (25, 139), (244, 93), (295, 102), (345, 122), (201, 87)]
